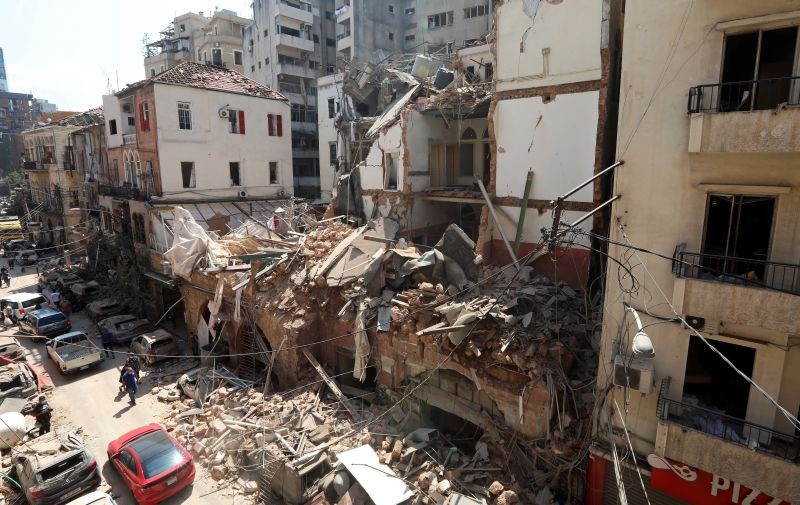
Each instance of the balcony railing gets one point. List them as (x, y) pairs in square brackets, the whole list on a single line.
[(127, 192), (129, 138), (783, 277), (732, 429), (762, 94)]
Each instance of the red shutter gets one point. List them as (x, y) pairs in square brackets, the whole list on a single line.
[(270, 130), (141, 118), (279, 125), (241, 122)]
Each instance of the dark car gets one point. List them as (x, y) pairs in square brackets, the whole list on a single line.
[(152, 464), (124, 327), (56, 479), (45, 323)]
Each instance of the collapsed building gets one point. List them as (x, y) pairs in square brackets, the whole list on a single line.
[(497, 355)]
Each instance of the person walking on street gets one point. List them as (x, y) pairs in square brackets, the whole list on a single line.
[(129, 380), (134, 364), (55, 298), (42, 412), (4, 277), (65, 306), (105, 338)]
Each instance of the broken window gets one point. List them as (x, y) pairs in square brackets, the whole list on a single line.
[(331, 107), (390, 162), (275, 125), (410, 11), (187, 173), (233, 168), (112, 126), (237, 57), (766, 56), (138, 228), (711, 383), (152, 72), (330, 42), (391, 35), (184, 116), (391, 9), (488, 72), (410, 38), (466, 153), (236, 121), (441, 19), (476, 11), (273, 172), (737, 235), (332, 153)]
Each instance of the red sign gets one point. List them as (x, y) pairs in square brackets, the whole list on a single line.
[(699, 487)]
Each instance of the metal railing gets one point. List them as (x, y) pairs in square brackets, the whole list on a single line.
[(783, 277), (128, 138), (761, 94), (128, 192), (731, 429)]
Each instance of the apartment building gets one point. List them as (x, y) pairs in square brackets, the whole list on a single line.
[(370, 31), (215, 39), (706, 131), (288, 46), (60, 156), (16, 115)]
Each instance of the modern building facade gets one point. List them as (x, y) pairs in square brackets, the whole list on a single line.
[(3, 78), (215, 39), (16, 115), (708, 189), (288, 46)]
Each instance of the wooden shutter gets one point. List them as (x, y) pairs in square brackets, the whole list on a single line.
[(279, 125), (142, 123), (270, 128), (241, 122)]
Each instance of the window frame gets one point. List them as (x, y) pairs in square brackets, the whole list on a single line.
[(187, 108), (237, 182), (238, 57), (276, 180), (192, 175)]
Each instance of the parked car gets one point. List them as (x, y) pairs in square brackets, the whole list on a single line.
[(11, 349), (55, 479), (45, 323), (103, 308), (154, 346), (17, 380), (23, 302), (26, 257), (94, 498), (73, 351), (66, 280), (15, 245), (152, 463), (124, 327), (82, 293)]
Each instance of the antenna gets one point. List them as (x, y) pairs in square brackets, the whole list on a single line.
[(117, 72)]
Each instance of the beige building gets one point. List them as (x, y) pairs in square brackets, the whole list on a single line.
[(214, 39), (708, 133)]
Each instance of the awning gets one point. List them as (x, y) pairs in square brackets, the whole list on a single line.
[(163, 279)]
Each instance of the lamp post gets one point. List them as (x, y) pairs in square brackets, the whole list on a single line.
[(642, 345)]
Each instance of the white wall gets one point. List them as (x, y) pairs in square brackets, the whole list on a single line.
[(571, 31), (112, 111), (211, 147), (388, 142), (327, 87)]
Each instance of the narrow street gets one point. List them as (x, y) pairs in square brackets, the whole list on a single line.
[(90, 400)]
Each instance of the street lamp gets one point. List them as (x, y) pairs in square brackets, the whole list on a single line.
[(642, 345)]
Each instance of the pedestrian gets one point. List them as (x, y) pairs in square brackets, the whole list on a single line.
[(105, 338), (8, 312), (55, 298), (129, 381), (65, 306), (134, 364), (4, 277), (42, 412), (11, 263)]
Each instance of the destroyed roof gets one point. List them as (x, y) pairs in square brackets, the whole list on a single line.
[(210, 77), (90, 117)]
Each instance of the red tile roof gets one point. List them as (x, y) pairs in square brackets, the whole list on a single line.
[(211, 77)]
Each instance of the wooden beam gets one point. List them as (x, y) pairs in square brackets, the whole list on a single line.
[(331, 384)]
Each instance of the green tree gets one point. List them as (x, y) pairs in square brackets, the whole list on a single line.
[(120, 271)]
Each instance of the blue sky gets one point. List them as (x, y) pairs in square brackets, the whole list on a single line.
[(67, 51)]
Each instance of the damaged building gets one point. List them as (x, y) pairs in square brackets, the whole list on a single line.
[(487, 137), (493, 356)]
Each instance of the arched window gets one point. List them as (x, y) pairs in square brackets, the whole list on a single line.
[(469, 134), (127, 159), (137, 169)]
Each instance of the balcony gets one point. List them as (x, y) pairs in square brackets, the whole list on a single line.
[(123, 192), (737, 291), (128, 139), (758, 116), (295, 42), (296, 70), (344, 41), (292, 12), (755, 456), (33, 165)]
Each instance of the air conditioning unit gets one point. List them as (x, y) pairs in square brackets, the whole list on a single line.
[(224, 113), (126, 107), (242, 194), (635, 373), (216, 44)]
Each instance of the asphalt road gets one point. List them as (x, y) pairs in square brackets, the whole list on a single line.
[(90, 399)]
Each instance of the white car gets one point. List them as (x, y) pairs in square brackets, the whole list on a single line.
[(93, 498)]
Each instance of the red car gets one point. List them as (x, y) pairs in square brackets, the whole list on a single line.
[(152, 463)]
